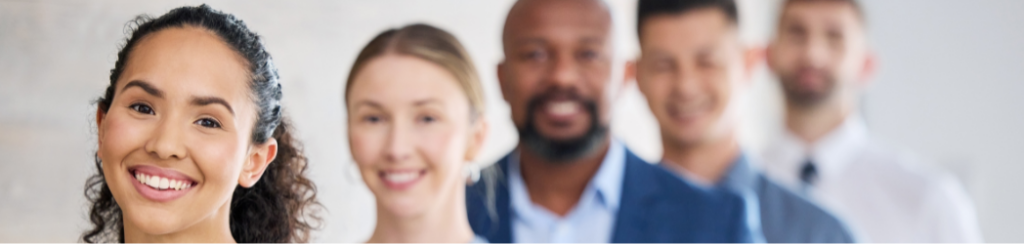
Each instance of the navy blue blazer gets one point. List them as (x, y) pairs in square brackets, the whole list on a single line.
[(656, 206)]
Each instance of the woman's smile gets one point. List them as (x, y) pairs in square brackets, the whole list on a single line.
[(401, 179), (160, 184)]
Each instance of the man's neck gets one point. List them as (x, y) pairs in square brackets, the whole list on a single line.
[(214, 229), (558, 186), (811, 123), (445, 223), (708, 160)]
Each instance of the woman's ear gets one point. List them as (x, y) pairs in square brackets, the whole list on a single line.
[(99, 129), (259, 159), (476, 138)]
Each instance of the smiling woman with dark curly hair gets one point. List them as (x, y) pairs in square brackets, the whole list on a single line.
[(193, 146)]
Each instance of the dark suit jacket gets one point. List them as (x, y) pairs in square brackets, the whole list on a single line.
[(656, 206)]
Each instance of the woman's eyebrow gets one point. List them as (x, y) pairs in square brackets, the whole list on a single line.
[(427, 101), (203, 101), (145, 86), (368, 103)]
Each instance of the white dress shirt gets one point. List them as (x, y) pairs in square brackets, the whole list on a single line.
[(883, 194)]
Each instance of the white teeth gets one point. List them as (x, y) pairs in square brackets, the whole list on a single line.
[(153, 181), (401, 177), (562, 108), (161, 183)]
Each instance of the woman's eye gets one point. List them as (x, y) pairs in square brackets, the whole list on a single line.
[(208, 123), (428, 119), (141, 108), (372, 119)]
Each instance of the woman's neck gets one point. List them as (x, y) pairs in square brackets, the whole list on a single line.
[(217, 229), (447, 222)]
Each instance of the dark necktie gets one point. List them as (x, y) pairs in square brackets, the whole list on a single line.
[(808, 174)]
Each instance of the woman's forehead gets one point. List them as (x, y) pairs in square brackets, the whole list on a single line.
[(405, 79), (189, 61)]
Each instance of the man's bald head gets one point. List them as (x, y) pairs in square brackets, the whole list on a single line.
[(527, 15)]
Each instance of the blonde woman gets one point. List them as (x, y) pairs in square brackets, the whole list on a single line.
[(415, 121)]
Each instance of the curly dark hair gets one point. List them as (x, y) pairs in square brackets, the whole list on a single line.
[(282, 206)]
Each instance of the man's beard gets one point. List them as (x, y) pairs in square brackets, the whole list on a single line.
[(807, 98), (562, 151)]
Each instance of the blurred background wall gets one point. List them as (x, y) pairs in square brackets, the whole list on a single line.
[(950, 87)]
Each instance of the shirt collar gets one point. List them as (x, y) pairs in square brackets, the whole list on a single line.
[(741, 175), (832, 153), (605, 187)]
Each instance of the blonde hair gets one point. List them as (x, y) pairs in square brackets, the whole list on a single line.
[(433, 45)]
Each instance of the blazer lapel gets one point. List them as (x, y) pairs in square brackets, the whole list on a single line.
[(638, 190), (493, 223)]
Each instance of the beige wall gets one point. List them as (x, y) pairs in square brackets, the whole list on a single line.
[(949, 87)]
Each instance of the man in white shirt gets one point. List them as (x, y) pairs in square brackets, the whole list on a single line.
[(821, 57)]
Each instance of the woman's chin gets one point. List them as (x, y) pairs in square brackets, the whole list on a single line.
[(406, 208), (152, 222)]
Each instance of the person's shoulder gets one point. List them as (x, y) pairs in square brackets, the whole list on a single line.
[(671, 189), (667, 184), (782, 206), (773, 195), (913, 177), (690, 212), (904, 168), (934, 195)]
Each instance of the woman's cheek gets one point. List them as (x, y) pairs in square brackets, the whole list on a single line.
[(122, 135), (366, 145), (445, 146), (219, 158)]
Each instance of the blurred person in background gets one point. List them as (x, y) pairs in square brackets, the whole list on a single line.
[(692, 69), (193, 143), (821, 57), (568, 180), (415, 123)]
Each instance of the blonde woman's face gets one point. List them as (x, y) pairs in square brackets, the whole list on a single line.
[(410, 133), (175, 139)]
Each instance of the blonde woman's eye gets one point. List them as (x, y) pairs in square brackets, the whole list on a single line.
[(428, 119), (141, 108), (208, 123), (373, 119)]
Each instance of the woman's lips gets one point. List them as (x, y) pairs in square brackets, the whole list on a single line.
[(159, 184), (401, 179)]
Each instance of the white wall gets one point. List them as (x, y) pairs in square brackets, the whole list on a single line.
[(947, 88)]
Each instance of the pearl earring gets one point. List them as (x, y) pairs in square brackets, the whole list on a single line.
[(472, 172)]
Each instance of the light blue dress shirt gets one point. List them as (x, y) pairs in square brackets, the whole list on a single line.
[(591, 220)]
